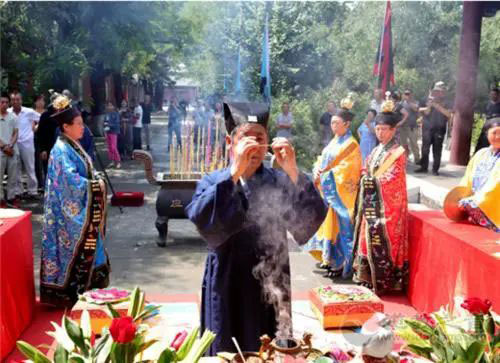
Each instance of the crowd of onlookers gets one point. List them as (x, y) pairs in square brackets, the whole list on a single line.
[(28, 134), (429, 120)]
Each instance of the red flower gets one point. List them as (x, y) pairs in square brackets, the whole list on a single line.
[(476, 306), (123, 329), (92, 339), (428, 319)]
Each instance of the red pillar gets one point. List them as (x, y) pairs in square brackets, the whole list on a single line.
[(466, 82)]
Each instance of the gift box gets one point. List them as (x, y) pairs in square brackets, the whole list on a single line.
[(127, 199), (94, 301), (99, 316), (340, 306)]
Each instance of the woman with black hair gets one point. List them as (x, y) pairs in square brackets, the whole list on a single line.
[(337, 173), (73, 255), (381, 233)]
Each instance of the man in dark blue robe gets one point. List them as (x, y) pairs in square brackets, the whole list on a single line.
[(243, 212)]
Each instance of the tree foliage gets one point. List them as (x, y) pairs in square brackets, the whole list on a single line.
[(319, 50), (50, 44)]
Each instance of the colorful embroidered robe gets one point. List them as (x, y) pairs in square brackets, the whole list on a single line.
[(73, 255), (341, 164), (381, 233), (482, 178)]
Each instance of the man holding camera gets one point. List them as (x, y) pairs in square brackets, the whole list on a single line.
[(435, 120)]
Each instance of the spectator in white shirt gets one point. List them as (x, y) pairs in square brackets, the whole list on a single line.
[(284, 122), (27, 119), (137, 121), (378, 99), (8, 152)]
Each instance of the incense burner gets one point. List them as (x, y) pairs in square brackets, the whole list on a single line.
[(271, 350), (176, 192), (173, 196)]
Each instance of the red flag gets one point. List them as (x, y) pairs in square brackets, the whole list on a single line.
[(384, 66)]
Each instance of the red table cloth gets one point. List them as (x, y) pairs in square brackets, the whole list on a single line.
[(449, 259), (17, 288)]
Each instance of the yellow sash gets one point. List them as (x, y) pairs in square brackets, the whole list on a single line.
[(389, 161), (341, 156)]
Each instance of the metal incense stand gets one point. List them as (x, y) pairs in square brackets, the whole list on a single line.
[(173, 196)]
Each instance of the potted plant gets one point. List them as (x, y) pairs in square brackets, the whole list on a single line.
[(447, 337)]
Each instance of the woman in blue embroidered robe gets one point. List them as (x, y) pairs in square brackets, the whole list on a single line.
[(337, 174), (73, 256)]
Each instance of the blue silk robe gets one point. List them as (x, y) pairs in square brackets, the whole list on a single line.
[(73, 254), (244, 225)]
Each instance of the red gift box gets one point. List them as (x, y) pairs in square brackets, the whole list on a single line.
[(338, 306), (99, 316), (127, 199)]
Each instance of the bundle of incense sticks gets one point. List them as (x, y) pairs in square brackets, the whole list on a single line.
[(190, 155), (208, 151)]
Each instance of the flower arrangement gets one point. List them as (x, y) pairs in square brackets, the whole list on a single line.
[(123, 342), (446, 337)]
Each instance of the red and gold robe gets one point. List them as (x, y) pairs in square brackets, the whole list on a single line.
[(381, 233)]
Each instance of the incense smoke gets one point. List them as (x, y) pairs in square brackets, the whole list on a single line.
[(273, 271)]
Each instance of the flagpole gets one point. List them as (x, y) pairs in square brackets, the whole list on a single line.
[(265, 67), (380, 50)]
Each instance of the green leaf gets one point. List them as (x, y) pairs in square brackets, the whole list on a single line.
[(146, 312), (113, 313), (115, 352), (76, 358), (410, 337), (420, 327), (145, 346), (188, 343), (100, 343), (61, 354), (134, 302), (167, 356), (489, 325), (75, 333), (200, 347), (475, 352), (104, 349), (31, 352)]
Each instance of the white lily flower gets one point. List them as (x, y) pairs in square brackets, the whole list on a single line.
[(85, 324), (60, 335)]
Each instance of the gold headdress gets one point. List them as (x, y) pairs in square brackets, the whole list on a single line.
[(61, 103), (388, 104), (347, 102)]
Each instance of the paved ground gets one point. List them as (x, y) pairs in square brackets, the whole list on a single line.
[(131, 240), (178, 268)]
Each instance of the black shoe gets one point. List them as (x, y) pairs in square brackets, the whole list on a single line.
[(322, 266), (421, 170), (332, 274), (435, 172), (33, 197)]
